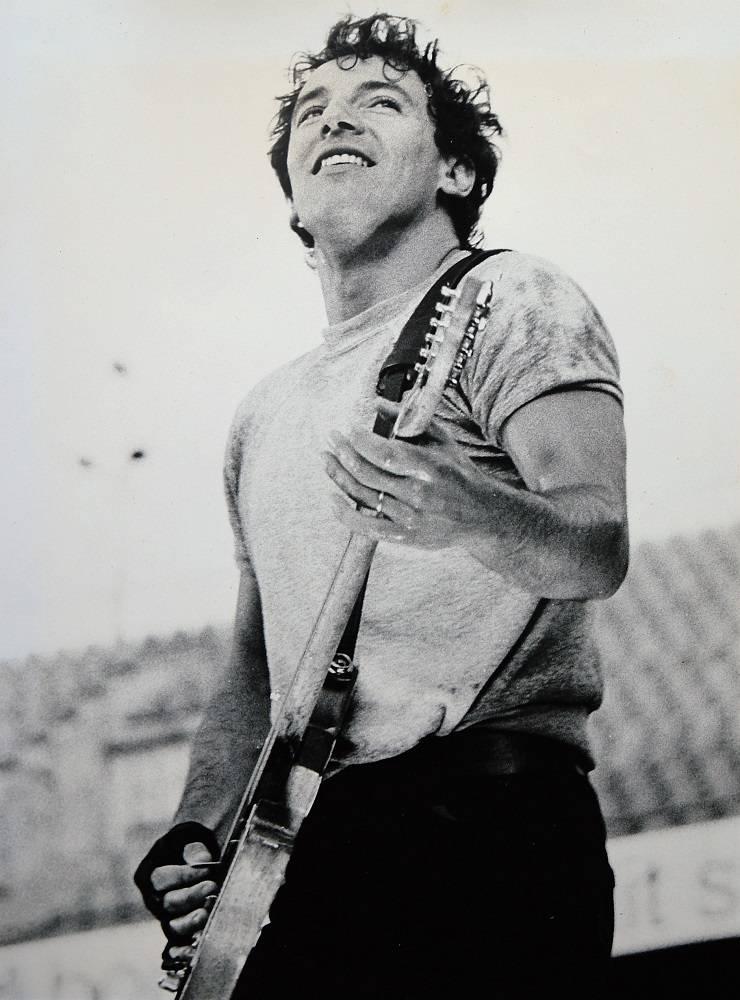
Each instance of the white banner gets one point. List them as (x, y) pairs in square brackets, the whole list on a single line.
[(677, 885)]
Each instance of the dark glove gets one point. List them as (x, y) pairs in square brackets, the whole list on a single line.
[(168, 851)]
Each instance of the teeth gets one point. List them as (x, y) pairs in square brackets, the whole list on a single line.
[(344, 158)]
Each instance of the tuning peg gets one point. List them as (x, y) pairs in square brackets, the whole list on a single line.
[(455, 374), (485, 294), (419, 367), (450, 293), (440, 323)]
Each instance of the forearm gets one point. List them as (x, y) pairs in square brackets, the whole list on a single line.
[(565, 543), (234, 724), (223, 754)]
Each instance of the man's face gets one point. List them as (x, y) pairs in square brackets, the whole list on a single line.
[(362, 155)]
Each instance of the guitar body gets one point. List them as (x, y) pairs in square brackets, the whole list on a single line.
[(301, 741), (240, 913)]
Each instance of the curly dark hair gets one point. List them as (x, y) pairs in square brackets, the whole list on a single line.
[(464, 121)]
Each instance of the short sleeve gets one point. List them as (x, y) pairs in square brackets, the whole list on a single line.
[(233, 461), (543, 335)]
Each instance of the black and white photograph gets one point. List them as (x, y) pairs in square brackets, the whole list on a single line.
[(370, 602)]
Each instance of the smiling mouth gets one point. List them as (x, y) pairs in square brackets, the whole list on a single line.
[(342, 158)]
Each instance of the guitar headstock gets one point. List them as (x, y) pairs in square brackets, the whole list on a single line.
[(461, 314)]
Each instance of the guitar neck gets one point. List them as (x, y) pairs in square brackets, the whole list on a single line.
[(325, 635), (309, 676)]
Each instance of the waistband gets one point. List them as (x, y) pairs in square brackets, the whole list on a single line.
[(483, 750), (470, 758)]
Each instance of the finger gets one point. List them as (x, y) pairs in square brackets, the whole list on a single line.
[(170, 877), (366, 496), (181, 951), (372, 459), (372, 527), (363, 470), (188, 925), (179, 901), (404, 497), (403, 512), (195, 853)]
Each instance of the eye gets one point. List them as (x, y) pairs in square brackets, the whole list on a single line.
[(309, 113), (385, 102)]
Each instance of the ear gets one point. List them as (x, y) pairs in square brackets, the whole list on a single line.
[(297, 226), (458, 177), (295, 222)]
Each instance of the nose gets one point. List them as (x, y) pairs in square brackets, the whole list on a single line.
[(338, 118), (339, 125)]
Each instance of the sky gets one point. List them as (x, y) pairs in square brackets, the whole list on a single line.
[(148, 277)]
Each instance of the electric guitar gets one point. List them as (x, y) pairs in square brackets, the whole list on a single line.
[(301, 740)]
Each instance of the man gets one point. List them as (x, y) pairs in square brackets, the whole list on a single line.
[(459, 841)]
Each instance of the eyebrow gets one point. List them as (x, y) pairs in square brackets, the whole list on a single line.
[(367, 86)]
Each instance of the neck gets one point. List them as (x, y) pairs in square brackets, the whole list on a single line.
[(356, 276)]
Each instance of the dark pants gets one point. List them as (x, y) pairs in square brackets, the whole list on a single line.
[(488, 886)]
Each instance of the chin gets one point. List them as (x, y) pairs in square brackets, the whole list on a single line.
[(338, 228), (359, 227)]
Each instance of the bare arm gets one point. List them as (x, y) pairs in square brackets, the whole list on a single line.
[(566, 535), (223, 755), (563, 537), (235, 722)]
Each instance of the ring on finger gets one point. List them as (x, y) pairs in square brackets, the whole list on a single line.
[(379, 505)]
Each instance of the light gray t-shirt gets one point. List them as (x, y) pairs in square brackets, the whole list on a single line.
[(444, 642)]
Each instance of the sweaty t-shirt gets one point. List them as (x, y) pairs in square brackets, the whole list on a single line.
[(445, 642)]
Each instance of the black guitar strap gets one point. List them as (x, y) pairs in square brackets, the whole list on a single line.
[(397, 376)]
